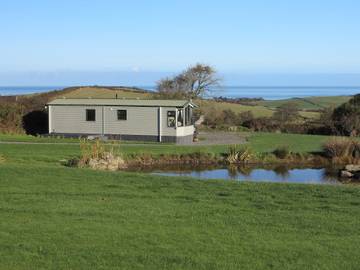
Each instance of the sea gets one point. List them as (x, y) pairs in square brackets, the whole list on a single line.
[(265, 92)]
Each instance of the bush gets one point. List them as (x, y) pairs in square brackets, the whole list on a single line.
[(264, 124), (282, 152), (347, 117)]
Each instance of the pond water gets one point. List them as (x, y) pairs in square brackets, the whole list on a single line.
[(286, 174)]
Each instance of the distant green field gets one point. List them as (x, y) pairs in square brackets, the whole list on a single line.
[(309, 103), (258, 111)]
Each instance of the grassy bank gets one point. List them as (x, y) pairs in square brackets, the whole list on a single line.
[(35, 150), (63, 218), (55, 150)]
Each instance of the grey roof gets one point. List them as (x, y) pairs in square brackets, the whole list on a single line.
[(122, 102)]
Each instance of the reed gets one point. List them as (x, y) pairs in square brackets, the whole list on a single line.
[(239, 154), (97, 150), (342, 150)]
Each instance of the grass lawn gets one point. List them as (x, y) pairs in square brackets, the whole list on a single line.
[(62, 218), (60, 149), (298, 143), (259, 142), (54, 217)]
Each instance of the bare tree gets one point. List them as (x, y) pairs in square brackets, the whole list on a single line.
[(194, 82)]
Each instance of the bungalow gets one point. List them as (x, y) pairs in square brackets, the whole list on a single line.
[(143, 120)]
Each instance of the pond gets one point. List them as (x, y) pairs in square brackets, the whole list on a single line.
[(286, 174)]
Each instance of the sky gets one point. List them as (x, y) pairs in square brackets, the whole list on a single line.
[(137, 42)]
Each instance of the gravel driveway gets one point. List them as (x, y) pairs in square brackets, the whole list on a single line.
[(220, 137)]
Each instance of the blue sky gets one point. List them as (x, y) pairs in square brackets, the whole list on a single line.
[(91, 41)]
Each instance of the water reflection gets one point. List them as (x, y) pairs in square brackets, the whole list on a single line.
[(282, 173)]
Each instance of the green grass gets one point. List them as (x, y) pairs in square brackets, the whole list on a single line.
[(54, 217), (59, 139), (259, 142), (63, 218), (309, 103), (298, 143), (257, 110)]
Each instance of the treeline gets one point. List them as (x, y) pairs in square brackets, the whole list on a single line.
[(26, 114), (344, 120), (243, 101)]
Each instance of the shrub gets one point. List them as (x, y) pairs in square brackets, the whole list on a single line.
[(238, 154), (356, 150), (94, 150), (337, 147), (342, 150), (282, 152), (265, 124), (2, 159)]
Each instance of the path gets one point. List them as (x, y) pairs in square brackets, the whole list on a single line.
[(220, 138)]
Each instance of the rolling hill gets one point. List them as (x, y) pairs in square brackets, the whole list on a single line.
[(259, 109)]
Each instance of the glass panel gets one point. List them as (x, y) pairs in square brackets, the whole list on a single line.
[(171, 118), (180, 118), (90, 115), (122, 114), (188, 116)]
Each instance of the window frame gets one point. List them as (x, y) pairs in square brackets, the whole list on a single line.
[(117, 115), (87, 115)]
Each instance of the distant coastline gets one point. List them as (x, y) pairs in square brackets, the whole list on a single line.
[(266, 92)]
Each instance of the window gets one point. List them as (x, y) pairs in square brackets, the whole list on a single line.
[(180, 118), (171, 118), (188, 116), (121, 115), (90, 115)]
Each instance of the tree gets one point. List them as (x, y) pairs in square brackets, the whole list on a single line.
[(194, 82), (326, 122), (287, 112), (347, 117)]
